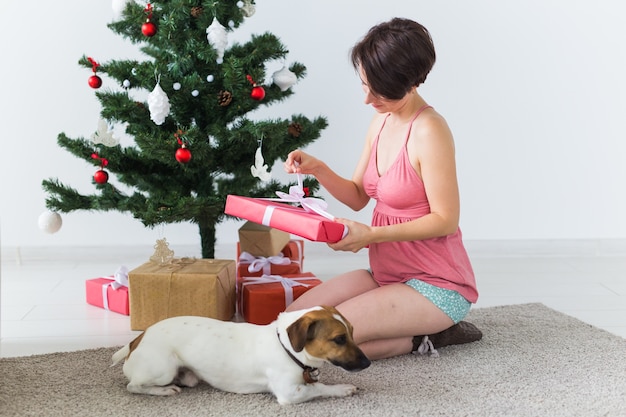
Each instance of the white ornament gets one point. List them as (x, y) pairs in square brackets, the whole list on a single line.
[(118, 7), (126, 84), (176, 86), (195, 93), (210, 78), (50, 221), (247, 8), (159, 105), (218, 38), (103, 135), (284, 78), (259, 169)]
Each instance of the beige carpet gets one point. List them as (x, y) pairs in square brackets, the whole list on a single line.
[(532, 361)]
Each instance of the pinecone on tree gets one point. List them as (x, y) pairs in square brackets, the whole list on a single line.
[(197, 11), (295, 129), (224, 98)]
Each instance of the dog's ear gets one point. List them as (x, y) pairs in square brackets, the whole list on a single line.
[(300, 331)]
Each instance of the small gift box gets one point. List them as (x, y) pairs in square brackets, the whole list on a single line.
[(288, 261), (181, 287), (109, 293), (266, 296), (260, 240)]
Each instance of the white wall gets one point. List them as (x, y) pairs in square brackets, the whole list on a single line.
[(534, 92)]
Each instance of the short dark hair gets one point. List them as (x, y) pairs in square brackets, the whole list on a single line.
[(395, 56)]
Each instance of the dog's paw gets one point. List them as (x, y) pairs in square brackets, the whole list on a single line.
[(344, 390), (171, 390), (154, 390)]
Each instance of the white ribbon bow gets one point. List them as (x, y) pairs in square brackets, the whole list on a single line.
[(261, 262), (120, 280), (287, 283), (310, 204)]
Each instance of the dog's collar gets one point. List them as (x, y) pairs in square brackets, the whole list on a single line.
[(309, 373)]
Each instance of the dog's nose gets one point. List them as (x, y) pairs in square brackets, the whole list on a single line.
[(364, 362), (359, 363)]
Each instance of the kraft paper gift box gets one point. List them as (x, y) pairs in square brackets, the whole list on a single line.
[(182, 287), (266, 296), (260, 240), (110, 293), (285, 217)]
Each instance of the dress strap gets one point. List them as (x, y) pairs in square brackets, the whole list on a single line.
[(419, 111), (374, 144)]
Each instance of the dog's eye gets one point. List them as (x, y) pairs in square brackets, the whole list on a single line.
[(340, 340)]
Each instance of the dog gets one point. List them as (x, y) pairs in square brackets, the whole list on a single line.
[(282, 357)]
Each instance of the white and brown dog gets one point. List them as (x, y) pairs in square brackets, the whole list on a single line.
[(281, 357)]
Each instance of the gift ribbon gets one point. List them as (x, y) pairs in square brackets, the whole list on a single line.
[(287, 283), (298, 244), (258, 263), (120, 279), (297, 195)]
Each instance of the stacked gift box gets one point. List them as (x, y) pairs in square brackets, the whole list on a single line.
[(266, 277), (269, 272)]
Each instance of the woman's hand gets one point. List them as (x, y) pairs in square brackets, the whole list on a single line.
[(358, 236), (299, 162)]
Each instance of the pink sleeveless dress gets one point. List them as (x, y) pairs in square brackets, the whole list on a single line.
[(400, 197)]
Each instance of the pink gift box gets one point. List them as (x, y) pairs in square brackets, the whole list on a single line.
[(101, 294), (285, 217)]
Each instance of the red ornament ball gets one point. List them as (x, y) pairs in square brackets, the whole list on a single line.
[(101, 176), (183, 155), (258, 93), (94, 81), (149, 29)]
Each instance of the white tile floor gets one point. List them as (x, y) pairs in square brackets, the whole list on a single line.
[(43, 306)]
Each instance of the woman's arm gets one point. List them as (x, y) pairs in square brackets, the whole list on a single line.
[(349, 191)]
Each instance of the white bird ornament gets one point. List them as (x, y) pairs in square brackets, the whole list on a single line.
[(259, 169)]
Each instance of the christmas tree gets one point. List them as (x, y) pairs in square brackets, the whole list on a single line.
[(195, 141)]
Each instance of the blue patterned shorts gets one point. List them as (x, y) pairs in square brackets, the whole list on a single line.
[(449, 301)]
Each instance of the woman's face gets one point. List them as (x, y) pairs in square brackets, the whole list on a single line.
[(380, 104)]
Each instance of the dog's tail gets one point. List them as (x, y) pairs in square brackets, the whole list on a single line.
[(120, 355)]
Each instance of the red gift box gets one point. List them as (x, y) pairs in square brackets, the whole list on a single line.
[(266, 296), (101, 293), (288, 261), (285, 217)]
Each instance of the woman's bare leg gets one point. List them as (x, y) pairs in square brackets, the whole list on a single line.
[(385, 319), (336, 290)]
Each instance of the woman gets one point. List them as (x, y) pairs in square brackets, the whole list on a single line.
[(420, 280)]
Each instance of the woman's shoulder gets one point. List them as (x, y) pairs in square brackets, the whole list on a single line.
[(430, 130), (430, 122)]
